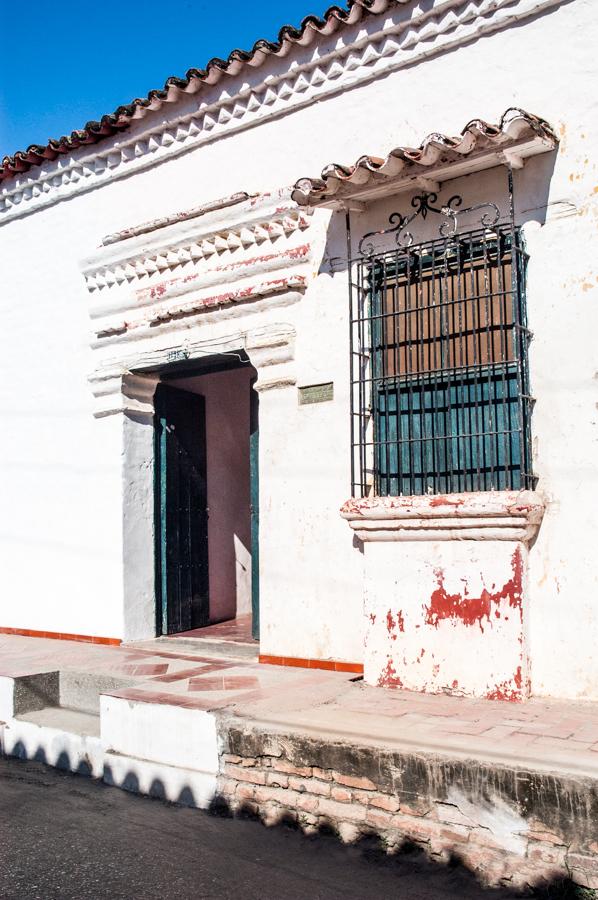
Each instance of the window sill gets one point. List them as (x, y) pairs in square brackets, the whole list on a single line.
[(484, 516)]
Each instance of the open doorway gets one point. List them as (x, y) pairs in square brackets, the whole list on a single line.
[(206, 500)]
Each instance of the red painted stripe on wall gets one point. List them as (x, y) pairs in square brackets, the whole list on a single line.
[(60, 636), (330, 664)]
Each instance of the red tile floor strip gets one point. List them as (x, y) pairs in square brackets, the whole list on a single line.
[(224, 683), (60, 636), (146, 669), (184, 674), (297, 662)]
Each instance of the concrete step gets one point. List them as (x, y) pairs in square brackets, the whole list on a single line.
[(64, 738), (54, 717), (165, 751), (69, 720), (68, 688), (210, 647), (81, 691)]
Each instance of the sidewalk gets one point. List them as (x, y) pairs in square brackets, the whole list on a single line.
[(513, 788), (553, 735)]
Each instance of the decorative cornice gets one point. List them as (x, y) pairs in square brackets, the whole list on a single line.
[(483, 516), (224, 298), (138, 393), (127, 384), (311, 29), (403, 38), (173, 246), (117, 390), (257, 249)]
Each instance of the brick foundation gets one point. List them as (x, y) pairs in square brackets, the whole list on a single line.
[(508, 826)]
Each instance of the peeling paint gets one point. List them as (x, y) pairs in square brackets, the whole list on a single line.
[(391, 624), (156, 291), (508, 690), (442, 500), (471, 611), (389, 677), (257, 291)]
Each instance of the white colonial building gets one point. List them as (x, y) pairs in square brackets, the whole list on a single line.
[(225, 393)]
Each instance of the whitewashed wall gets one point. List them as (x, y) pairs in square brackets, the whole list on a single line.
[(61, 469)]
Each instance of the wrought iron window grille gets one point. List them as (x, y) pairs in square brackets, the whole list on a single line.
[(440, 399)]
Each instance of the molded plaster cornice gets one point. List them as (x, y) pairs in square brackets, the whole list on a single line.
[(127, 384), (210, 265), (481, 516), (404, 36), (254, 223), (290, 289)]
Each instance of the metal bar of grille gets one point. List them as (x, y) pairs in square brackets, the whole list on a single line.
[(439, 376)]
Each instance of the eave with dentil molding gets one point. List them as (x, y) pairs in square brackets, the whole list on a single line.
[(402, 36)]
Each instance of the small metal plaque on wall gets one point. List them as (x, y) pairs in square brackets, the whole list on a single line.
[(316, 393)]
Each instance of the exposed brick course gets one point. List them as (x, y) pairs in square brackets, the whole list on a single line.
[(241, 773), (277, 779), (311, 785), (382, 801), (363, 784), (281, 765), (341, 794), (408, 797)]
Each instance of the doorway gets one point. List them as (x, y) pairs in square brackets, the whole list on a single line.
[(206, 500)]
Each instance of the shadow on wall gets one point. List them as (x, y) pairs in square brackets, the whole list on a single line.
[(407, 859), (531, 200)]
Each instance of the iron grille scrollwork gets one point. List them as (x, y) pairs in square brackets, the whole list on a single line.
[(439, 368), (422, 203)]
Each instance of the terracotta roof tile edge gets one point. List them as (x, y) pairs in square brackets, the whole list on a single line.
[(120, 119), (320, 189)]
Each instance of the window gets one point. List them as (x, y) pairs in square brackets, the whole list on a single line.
[(439, 361)]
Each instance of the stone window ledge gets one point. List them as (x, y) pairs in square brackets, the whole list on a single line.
[(489, 516)]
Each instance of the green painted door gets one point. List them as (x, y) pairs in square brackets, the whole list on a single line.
[(254, 452), (181, 511)]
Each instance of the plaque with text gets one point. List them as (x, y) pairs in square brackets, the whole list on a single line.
[(316, 393)]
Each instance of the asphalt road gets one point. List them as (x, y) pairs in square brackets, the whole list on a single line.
[(64, 837)]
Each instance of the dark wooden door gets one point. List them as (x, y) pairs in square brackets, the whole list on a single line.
[(181, 511)]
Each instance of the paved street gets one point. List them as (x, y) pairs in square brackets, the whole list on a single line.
[(63, 837)]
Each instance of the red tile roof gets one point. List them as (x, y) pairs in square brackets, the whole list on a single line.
[(516, 129), (311, 26)]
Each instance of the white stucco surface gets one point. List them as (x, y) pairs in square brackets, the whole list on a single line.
[(170, 735), (446, 616), (75, 556)]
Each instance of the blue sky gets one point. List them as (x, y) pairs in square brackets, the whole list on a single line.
[(64, 63)]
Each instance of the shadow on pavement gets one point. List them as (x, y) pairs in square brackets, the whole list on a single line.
[(318, 855)]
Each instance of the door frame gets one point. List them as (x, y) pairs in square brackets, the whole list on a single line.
[(124, 389), (188, 368)]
